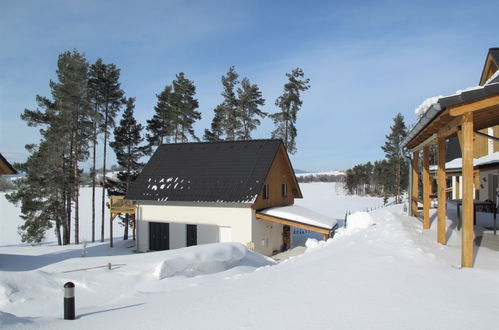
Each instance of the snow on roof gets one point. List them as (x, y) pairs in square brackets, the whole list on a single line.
[(426, 105), (333, 172), (423, 107), (300, 214), (485, 160)]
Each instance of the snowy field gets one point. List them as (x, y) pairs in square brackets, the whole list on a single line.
[(382, 272)]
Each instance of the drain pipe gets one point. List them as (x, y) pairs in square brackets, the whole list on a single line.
[(409, 191)]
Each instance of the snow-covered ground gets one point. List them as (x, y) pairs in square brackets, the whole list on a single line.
[(381, 272)]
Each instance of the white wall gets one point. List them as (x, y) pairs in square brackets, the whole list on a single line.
[(207, 234), (267, 236), (178, 234), (488, 184), (238, 219)]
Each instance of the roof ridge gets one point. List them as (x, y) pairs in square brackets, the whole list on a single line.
[(223, 141)]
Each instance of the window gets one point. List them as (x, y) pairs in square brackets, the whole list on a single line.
[(265, 191), (284, 190)]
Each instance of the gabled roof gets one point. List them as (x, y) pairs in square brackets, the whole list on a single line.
[(228, 171), (5, 167), (491, 64)]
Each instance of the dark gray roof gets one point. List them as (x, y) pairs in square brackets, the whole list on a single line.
[(229, 171), (491, 89)]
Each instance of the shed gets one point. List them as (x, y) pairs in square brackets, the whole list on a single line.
[(196, 193)]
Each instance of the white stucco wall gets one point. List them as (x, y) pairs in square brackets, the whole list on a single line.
[(488, 184), (178, 232), (237, 218), (267, 236)]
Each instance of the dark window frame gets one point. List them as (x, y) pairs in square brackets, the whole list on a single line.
[(266, 191), (284, 190)]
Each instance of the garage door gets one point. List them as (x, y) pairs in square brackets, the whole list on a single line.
[(159, 236)]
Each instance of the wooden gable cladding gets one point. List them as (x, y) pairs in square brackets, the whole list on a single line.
[(281, 172), (489, 68), (6, 167)]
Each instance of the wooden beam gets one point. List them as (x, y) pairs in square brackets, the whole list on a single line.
[(442, 185), (474, 106), (426, 187), (450, 128), (467, 214), (427, 142), (415, 182), (293, 224)]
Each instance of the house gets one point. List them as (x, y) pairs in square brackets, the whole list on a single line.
[(5, 167), (230, 191), (469, 118)]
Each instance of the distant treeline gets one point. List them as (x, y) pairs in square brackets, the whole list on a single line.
[(321, 178)]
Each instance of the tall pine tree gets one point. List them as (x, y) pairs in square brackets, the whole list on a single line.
[(175, 113), (249, 100), (395, 154), (289, 103), (65, 122), (107, 98), (126, 145)]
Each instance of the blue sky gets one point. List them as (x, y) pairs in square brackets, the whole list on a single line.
[(367, 60)]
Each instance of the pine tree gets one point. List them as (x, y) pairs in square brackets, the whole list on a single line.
[(126, 145), (289, 104), (394, 154), (231, 123), (216, 132), (249, 100), (185, 106), (175, 113), (107, 98), (65, 122), (160, 126)]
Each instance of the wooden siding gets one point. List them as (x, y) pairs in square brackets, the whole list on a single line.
[(490, 68), (280, 172)]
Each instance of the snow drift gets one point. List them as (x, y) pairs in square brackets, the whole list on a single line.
[(208, 259), (359, 220)]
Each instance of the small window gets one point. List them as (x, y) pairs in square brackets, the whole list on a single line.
[(265, 191), (284, 190)]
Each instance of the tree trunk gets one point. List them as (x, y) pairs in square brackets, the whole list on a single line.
[(77, 203), (94, 147), (103, 205)]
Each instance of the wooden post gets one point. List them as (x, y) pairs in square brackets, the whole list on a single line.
[(442, 200), (468, 230), (111, 230), (426, 187), (415, 182)]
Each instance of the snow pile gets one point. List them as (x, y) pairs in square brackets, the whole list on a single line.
[(359, 220), (423, 107), (208, 259)]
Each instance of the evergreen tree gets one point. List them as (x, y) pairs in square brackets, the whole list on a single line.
[(185, 106), (107, 97), (394, 154), (216, 132), (289, 103), (230, 107), (175, 113), (160, 126), (126, 145), (66, 122), (249, 100)]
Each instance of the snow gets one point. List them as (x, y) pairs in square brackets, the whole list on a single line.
[(301, 214), (387, 275), (423, 107), (494, 76), (333, 172), (359, 220), (485, 160), (207, 259)]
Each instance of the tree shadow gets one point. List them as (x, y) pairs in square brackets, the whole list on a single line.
[(21, 262)]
